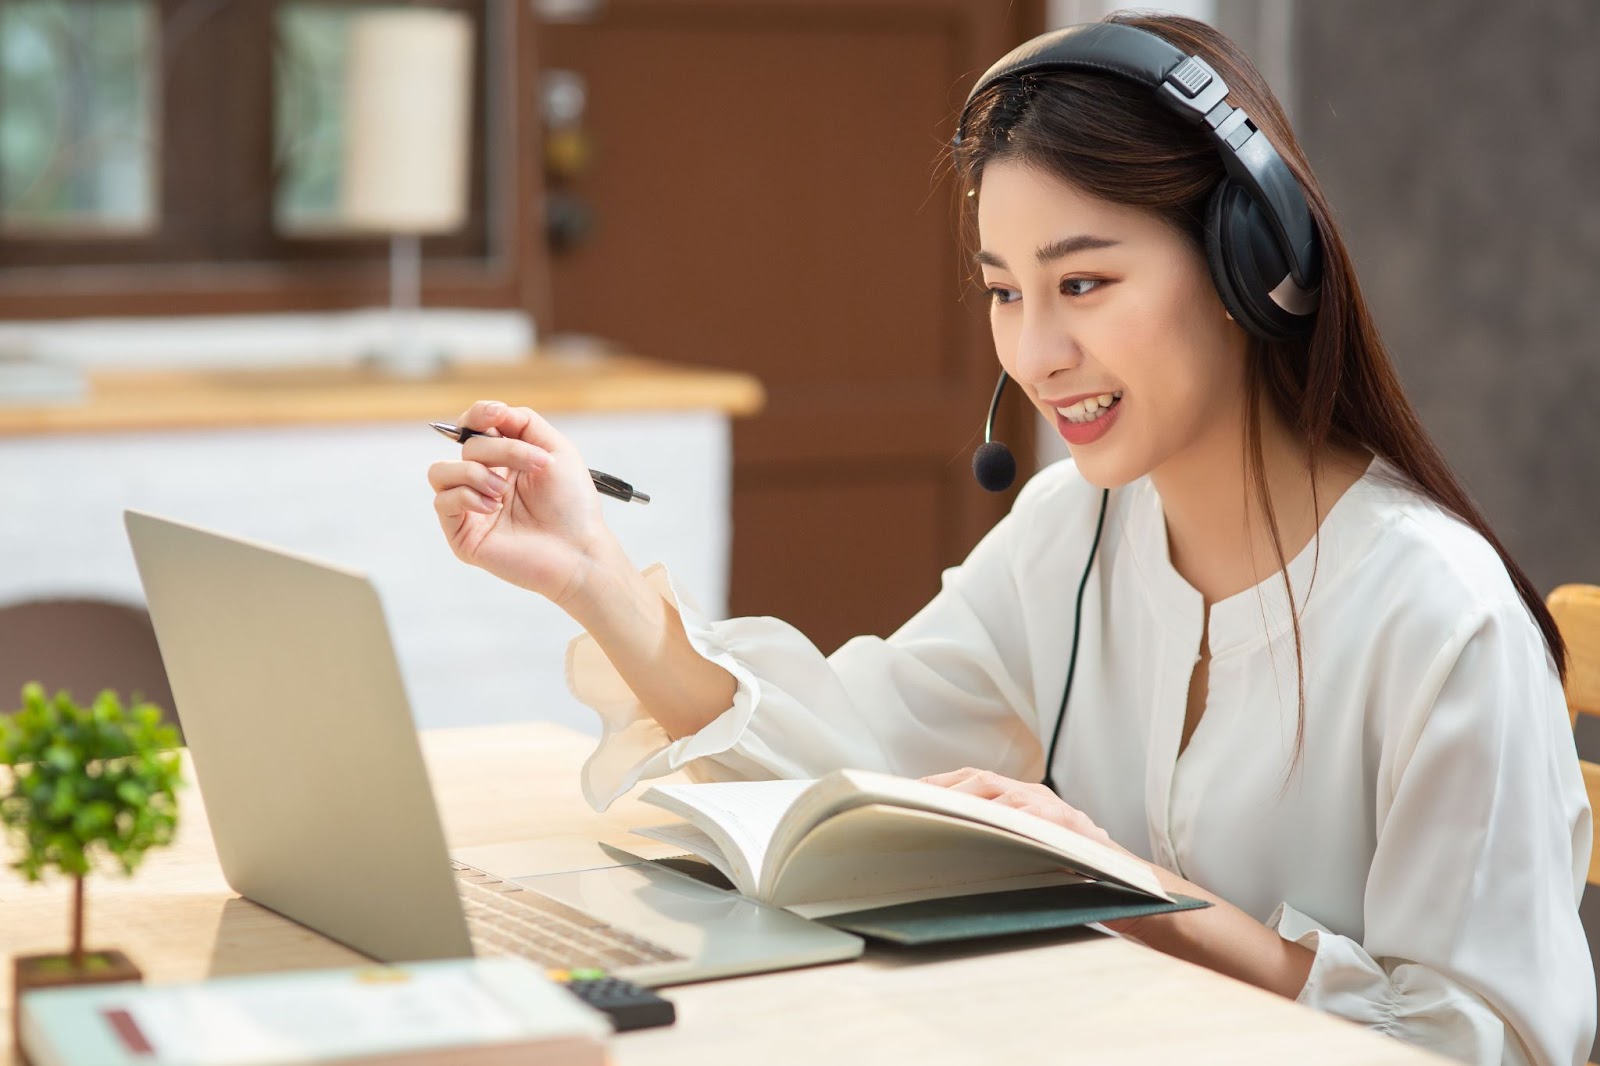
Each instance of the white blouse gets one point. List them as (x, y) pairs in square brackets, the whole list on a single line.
[(1429, 845)]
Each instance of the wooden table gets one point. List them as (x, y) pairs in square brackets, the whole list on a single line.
[(1082, 997)]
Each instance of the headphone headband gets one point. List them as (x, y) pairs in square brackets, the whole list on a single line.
[(1189, 86), (1104, 46)]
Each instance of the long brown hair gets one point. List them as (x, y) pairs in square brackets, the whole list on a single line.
[(1336, 387)]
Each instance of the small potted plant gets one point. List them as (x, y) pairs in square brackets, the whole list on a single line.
[(85, 781)]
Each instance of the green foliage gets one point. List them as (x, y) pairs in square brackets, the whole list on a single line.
[(86, 780)]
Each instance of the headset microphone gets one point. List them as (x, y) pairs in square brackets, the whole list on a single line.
[(996, 468), (993, 464)]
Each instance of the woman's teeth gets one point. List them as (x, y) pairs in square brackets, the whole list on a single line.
[(1087, 410)]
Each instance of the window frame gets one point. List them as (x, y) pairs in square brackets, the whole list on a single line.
[(209, 162)]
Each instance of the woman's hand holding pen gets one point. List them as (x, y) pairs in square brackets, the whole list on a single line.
[(520, 503)]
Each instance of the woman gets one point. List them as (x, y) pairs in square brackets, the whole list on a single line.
[(1304, 680)]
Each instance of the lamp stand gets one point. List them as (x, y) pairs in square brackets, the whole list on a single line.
[(406, 354)]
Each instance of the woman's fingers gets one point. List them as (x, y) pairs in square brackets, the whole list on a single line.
[(508, 452), (1022, 796), (482, 416), (986, 784), (522, 423), (453, 503), (460, 486), (1016, 798), (1052, 810), (448, 474), (527, 424), (954, 777)]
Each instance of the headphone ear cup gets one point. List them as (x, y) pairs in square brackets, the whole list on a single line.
[(1216, 258), (1246, 264)]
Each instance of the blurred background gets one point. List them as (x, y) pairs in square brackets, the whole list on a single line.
[(753, 185), (757, 185)]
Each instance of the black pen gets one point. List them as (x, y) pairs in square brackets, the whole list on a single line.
[(614, 487)]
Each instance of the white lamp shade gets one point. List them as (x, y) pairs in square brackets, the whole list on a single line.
[(408, 110)]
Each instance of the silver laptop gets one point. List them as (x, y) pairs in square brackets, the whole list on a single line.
[(295, 715)]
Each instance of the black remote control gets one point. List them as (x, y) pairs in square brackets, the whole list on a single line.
[(627, 1005)]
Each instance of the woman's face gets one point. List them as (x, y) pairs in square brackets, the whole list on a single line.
[(1107, 318)]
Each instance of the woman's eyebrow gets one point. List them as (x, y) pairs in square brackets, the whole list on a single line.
[(1057, 249)]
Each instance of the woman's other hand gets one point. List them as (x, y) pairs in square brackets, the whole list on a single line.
[(1024, 796)]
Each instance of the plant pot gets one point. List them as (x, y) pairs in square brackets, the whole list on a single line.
[(55, 971)]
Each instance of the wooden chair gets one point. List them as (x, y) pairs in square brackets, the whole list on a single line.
[(82, 646), (1577, 613)]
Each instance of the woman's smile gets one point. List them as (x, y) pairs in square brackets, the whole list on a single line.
[(1088, 420)]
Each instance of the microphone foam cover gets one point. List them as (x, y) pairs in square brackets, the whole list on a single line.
[(994, 466)]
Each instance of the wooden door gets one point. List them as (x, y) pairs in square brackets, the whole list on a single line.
[(768, 193)]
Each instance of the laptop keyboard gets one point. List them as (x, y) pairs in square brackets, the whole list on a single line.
[(506, 919)]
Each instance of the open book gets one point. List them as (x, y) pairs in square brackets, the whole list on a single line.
[(856, 840)]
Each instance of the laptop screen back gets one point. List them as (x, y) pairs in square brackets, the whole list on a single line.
[(293, 707)]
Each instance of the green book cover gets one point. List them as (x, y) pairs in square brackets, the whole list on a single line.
[(1005, 913)]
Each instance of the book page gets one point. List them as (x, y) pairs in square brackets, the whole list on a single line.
[(688, 836), (878, 850), (740, 816), (845, 789)]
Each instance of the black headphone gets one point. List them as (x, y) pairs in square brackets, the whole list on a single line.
[(1261, 243)]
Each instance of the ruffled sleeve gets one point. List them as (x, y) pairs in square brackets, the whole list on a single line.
[(1472, 945), (632, 745), (950, 688)]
